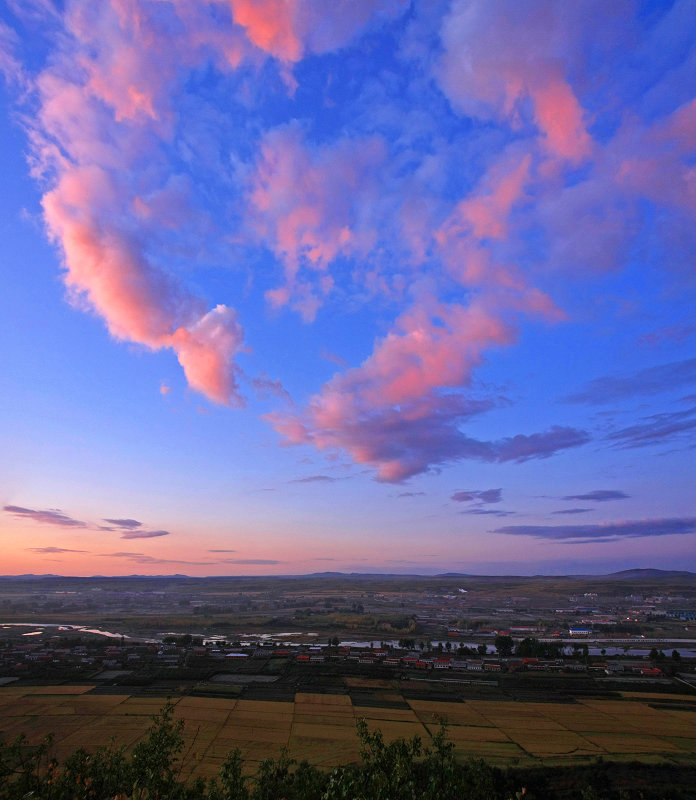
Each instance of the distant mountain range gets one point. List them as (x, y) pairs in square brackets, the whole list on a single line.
[(632, 574), (623, 575), (626, 574)]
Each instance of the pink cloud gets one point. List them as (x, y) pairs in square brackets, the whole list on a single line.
[(680, 127), (310, 204), (590, 225), (401, 410), (485, 214), (432, 345), (473, 240), (206, 351), (128, 69), (270, 25), (138, 302), (92, 128), (51, 516), (500, 56), (560, 117), (287, 29), (424, 434), (655, 160), (10, 66)]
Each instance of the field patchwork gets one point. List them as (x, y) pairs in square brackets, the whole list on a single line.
[(321, 728)]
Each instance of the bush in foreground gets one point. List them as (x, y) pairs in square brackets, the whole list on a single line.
[(399, 770)]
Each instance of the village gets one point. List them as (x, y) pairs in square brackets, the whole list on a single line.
[(85, 657)]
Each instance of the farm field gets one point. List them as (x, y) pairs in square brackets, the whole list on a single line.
[(321, 727)]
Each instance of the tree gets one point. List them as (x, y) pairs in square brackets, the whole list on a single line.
[(482, 650), (504, 645), (676, 655)]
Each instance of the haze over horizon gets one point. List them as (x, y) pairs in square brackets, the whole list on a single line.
[(374, 285)]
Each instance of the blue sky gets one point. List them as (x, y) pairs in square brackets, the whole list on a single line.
[(376, 286)]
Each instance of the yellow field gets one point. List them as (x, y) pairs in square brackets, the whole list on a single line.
[(321, 728)]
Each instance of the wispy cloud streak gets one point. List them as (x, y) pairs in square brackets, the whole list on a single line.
[(605, 531), (599, 495), (649, 381), (45, 517), (479, 495), (657, 428)]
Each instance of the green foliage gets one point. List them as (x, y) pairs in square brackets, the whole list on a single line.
[(397, 770), (154, 759), (504, 645), (531, 647)]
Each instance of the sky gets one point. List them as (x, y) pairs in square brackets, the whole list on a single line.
[(396, 286)]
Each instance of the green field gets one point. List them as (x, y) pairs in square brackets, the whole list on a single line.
[(321, 727)]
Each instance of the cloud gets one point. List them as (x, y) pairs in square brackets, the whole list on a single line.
[(667, 334), (394, 411), (605, 531), (222, 551), (129, 524), (494, 512), (91, 130), (46, 550), (649, 381), (409, 441), (141, 558), (315, 479), (289, 29), (265, 386), (539, 445), (454, 218), (480, 495), (572, 511), (10, 65), (656, 429), (599, 495), (499, 57), (411, 494), (307, 205), (46, 516), (336, 359), (144, 534), (250, 561), (128, 528)]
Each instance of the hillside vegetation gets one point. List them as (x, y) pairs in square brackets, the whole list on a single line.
[(400, 770)]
